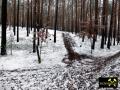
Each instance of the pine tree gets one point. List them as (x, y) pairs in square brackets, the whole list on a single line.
[(31, 14), (72, 26), (38, 19), (118, 35), (115, 23), (34, 33), (4, 22), (14, 13), (48, 18), (18, 20), (28, 18), (83, 18), (111, 27), (56, 20), (63, 14), (104, 23), (90, 24), (41, 14), (96, 23), (76, 16), (23, 10)]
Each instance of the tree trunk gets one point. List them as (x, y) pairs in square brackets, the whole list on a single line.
[(38, 20), (115, 23), (118, 36), (41, 14), (63, 14), (111, 27), (56, 19), (28, 18), (48, 18), (34, 33), (18, 20), (38, 54), (72, 26), (104, 23), (76, 16), (23, 15), (14, 26), (4, 22), (31, 15), (96, 23)]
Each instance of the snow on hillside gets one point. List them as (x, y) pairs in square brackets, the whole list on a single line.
[(85, 47), (21, 71), (22, 57)]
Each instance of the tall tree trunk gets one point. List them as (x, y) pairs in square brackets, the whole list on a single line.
[(18, 20), (28, 18), (111, 27), (34, 33), (14, 26), (56, 20), (23, 15), (38, 19), (31, 15), (48, 18), (90, 24), (4, 22), (41, 14), (115, 22), (83, 19), (118, 36), (104, 23), (63, 14), (96, 23), (76, 16), (72, 26)]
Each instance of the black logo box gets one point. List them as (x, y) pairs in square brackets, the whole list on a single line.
[(108, 82)]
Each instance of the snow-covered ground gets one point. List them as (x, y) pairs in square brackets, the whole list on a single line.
[(21, 71), (22, 56), (85, 47)]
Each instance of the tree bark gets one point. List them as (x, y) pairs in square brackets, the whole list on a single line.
[(111, 27), (96, 23), (34, 33), (56, 20), (14, 26), (118, 36), (18, 20), (28, 18), (4, 22)]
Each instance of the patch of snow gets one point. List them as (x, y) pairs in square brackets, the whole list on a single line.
[(22, 57), (85, 47)]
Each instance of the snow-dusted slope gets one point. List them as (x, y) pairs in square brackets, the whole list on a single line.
[(21, 71), (85, 47), (22, 56)]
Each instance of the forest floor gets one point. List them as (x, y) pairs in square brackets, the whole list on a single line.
[(21, 71)]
